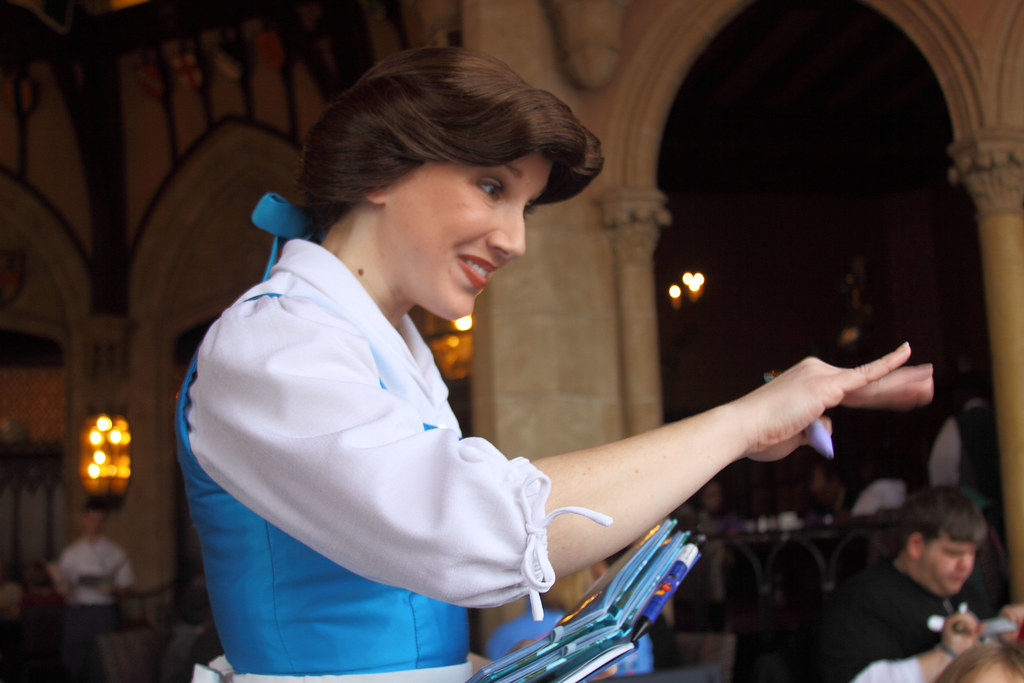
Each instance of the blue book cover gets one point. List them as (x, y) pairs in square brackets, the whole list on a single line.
[(605, 625)]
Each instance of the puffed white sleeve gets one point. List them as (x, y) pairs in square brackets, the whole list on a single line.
[(289, 416)]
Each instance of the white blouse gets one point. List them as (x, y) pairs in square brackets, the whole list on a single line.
[(290, 417)]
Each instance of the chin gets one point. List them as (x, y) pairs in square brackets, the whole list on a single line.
[(451, 312)]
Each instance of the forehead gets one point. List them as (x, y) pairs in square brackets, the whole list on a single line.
[(945, 544)]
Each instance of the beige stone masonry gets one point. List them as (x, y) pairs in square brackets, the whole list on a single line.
[(992, 169), (635, 217)]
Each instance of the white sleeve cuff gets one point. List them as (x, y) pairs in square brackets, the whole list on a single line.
[(537, 570)]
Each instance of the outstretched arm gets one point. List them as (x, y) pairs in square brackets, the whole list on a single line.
[(641, 479)]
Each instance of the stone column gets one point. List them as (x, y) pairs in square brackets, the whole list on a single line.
[(993, 172), (635, 217)]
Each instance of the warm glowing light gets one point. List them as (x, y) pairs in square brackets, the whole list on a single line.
[(452, 340), (122, 4), (464, 323), (104, 455), (675, 291), (693, 281)]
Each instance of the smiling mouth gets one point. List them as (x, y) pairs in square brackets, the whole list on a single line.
[(477, 271)]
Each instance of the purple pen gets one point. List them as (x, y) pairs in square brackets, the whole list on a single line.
[(821, 440), (819, 437)]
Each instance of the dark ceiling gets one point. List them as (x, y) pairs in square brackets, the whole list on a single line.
[(793, 95), (823, 95)]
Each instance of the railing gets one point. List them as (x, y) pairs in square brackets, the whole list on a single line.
[(778, 580)]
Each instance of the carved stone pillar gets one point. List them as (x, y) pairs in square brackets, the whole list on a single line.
[(993, 172), (589, 34), (635, 217)]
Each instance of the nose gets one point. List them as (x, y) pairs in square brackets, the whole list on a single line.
[(508, 240)]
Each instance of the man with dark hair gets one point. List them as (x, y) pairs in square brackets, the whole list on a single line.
[(906, 620)]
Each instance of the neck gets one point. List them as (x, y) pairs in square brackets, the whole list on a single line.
[(905, 565), (351, 241)]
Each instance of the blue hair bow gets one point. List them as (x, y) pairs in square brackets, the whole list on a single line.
[(283, 220)]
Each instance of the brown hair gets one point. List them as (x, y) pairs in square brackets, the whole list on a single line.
[(983, 657), (941, 509), (438, 104)]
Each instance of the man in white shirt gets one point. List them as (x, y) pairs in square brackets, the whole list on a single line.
[(91, 574)]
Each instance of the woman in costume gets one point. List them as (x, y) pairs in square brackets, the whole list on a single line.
[(346, 523)]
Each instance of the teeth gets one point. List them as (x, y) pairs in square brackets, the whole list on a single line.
[(477, 267)]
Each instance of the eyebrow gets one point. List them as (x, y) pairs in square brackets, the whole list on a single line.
[(515, 171)]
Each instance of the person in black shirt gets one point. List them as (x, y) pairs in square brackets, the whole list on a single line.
[(906, 620)]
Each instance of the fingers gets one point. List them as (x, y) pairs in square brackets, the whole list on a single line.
[(881, 367), (779, 450), (902, 389), (961, 630)]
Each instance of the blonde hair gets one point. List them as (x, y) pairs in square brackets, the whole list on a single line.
[(984, 657)]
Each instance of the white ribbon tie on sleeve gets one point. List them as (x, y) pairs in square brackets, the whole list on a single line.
[(536, 567)]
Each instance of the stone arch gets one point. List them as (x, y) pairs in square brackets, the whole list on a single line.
[(941, 38), (59, 292), (649, 80), (1009, 92), (198, 250)]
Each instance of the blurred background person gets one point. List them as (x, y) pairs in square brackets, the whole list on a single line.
[(91, 574)]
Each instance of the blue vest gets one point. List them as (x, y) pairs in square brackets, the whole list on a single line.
[(282, 608)]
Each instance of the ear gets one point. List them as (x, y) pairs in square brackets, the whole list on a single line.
[(378, 197), (915, 545)]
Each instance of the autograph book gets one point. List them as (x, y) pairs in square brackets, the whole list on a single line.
[(607, 623)]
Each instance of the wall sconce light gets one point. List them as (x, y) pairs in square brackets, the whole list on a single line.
[(104, 462), (453, 349), (692, 284)]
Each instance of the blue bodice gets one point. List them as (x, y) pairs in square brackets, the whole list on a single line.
[(282, 608)]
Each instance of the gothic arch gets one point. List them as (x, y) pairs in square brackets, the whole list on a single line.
[(60, 296), (1010, 93), (649, 80), (198, 250)]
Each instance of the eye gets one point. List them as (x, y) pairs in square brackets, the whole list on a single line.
[(530, 206), (492, 188)]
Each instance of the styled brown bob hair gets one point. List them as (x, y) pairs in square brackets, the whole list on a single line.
[(438, 104), (941, 509)]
